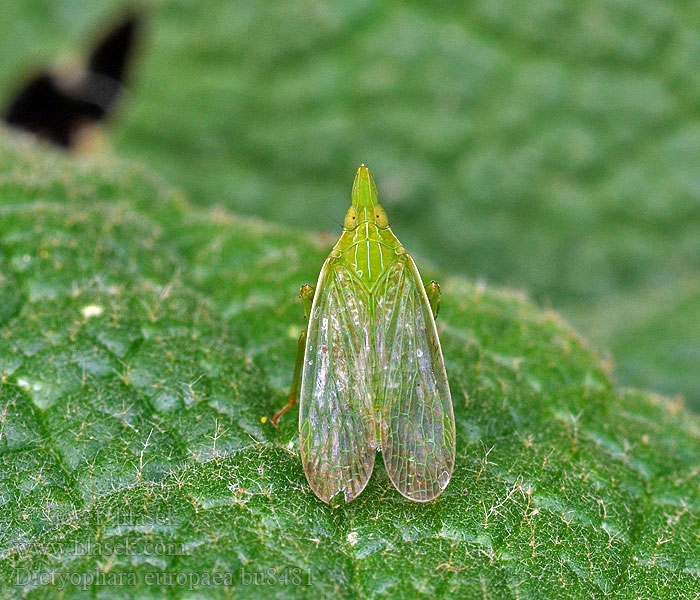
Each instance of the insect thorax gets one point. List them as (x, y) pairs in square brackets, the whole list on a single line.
[(368, 252)]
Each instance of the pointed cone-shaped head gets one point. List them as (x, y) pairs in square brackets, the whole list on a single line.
[(365, 205), (364, 194)]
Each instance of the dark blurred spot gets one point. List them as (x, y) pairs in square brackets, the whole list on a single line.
[(56, 110)]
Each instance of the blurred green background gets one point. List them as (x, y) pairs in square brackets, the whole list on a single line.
[(551, 146)]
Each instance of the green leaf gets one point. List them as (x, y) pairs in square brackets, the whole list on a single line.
[(141, 341), (549, 145)]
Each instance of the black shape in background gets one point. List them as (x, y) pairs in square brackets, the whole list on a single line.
[(56, 111)]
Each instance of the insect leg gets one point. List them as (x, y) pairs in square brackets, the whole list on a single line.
[(296, 379), (307, 295), (433, 292)]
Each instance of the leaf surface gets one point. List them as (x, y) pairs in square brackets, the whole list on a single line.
[(142, 340)]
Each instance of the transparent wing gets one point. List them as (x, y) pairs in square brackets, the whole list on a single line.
[(417, 422), (337, 428)]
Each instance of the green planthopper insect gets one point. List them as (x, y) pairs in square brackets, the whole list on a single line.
[(369, 371)]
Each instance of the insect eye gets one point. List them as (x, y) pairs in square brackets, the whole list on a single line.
[(380, 217), (350, 218)]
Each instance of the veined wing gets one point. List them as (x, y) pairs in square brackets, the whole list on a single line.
[(337, 428), (417, 421)]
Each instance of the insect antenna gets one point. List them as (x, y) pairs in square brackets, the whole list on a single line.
[(338, 223)]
